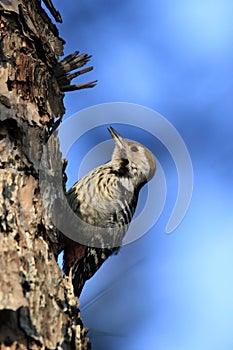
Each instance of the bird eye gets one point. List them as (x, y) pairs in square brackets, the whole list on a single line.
[(134, 149)]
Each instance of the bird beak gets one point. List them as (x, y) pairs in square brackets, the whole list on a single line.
[(116, 136)]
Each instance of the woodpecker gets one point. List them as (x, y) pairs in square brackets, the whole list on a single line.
[(106, 198)]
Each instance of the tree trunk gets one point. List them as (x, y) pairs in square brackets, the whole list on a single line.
[(38, 309)]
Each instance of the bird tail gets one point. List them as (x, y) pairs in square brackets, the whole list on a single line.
[(83, 269)]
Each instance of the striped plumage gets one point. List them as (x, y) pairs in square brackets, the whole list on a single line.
[(107, 197)]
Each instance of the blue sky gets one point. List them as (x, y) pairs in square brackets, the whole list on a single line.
[(174, 291)]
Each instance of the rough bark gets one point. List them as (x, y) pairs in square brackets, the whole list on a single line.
[(38, 309)]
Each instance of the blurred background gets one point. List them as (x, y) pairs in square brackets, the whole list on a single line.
[(166, 292)]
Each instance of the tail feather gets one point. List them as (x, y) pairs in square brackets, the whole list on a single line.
[(87, 265)]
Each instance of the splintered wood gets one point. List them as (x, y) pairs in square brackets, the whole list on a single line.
[(38, 309)]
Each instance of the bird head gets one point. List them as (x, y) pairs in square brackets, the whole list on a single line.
[(140, 160)]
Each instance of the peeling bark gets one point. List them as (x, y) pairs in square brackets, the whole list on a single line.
[(38, 309)]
